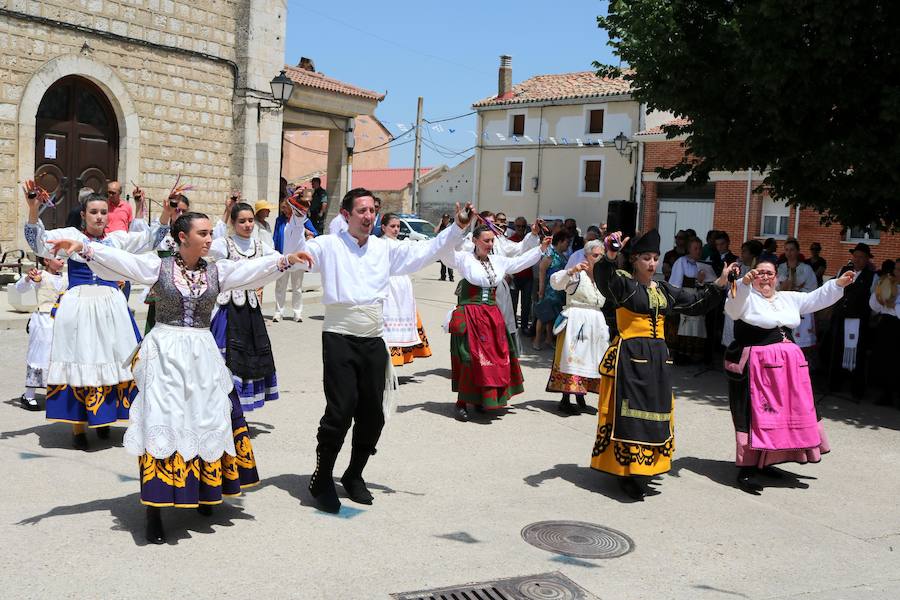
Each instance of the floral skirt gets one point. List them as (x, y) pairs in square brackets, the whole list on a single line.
[(92, 406), (464, 373), (567, 383), (621, 458), (176, 482), (402, 355)]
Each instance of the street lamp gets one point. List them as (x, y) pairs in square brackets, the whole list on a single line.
[(623, 145), (282, 88)]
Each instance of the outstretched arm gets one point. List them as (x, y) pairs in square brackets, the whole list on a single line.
[(114, 264), (257, 272)]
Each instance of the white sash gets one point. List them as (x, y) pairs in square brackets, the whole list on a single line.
[(365, 320), (851, 340)]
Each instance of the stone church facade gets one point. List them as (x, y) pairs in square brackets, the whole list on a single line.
[(139, 91)]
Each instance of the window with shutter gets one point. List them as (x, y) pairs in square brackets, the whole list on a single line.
[(595, 121), (518, 125), (592, 175), (514, 176)]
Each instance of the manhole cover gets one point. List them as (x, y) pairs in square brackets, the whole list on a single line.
[(546, 586), (577, 539)]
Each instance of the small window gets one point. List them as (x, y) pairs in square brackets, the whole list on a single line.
[(863, 234), (514, 176), (592, 175), (775, 225), (595, 121), (518, 125), (775, 218)]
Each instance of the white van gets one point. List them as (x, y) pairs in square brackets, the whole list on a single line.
[(414, 228)]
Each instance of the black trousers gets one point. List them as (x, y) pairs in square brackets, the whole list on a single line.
[(445, 270), (354, 387), (522, 293)]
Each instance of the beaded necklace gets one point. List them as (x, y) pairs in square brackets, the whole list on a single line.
[(489, 269), (194, 278)]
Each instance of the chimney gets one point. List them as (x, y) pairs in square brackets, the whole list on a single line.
[(307, 64), (504, 78)]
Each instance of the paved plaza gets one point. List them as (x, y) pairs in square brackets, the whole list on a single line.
[(451, 498)]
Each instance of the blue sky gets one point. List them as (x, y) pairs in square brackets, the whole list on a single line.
[(447, 52)]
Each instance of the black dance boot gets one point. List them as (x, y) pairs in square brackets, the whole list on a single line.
[(80, 441), (205, 509), (321, 484), (565, 406), (352, 479), (579, 398), (103, 432), (745, 483), (632, 488), (154, 532)]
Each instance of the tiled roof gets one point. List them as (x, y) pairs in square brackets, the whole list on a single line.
[(658, 130), (385, 180), (563, 86), (323, 82)]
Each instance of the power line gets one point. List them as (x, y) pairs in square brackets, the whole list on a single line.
[(312, 150), (395, 138), (379, 147), (450, 118)]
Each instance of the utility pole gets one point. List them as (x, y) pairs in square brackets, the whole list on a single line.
[(417, 158)]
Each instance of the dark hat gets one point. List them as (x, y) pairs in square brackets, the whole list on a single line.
[(649, 242), (862, 247)]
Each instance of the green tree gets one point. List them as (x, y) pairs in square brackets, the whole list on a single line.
[(805, 90)]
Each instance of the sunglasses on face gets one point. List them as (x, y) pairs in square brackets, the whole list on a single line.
[(765, 274)]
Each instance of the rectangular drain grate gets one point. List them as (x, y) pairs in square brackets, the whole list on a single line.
[(530, 587)]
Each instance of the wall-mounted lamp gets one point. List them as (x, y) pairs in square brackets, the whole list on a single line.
[(535, 182), (282, 88), (623, 145)]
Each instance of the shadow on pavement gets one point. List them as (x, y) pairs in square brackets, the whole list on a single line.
[(584, 478), (445, 373), (257, 428), (297, 486), (552, 407), (128, 515), (724, 473), (59, 435)]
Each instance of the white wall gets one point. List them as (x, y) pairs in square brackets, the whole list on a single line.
[(440, 194)]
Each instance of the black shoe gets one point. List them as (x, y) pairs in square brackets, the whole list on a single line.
[(566, 408), (632, 488), (462, 414), (451, 279), (154, 531), (205, 509), (445, 279), (29, 403), (79, 441), (579, 398), (321, 484), (480, 409), (746, 484), (352, 479), (103, 432)]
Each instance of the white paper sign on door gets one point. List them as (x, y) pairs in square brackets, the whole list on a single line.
[(50, 148)]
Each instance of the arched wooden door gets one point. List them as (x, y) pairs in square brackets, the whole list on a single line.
[(77, 143)]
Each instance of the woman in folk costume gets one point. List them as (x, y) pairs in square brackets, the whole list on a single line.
[(403, 331), (688, 272), (89, 381), (769, 389), (505, 247), (884, 305), (48, 283), (187, 425), (635, 433), (797, 276), (484, 358), (584, 337), (238, 325)]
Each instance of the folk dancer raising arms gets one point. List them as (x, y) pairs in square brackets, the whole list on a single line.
[(187, 426), (635, 431), (484, 358), (770, 394), (356, 269), (238, 325), (582, 336), (94, 334)]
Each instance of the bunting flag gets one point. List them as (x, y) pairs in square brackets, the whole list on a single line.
[(529, 139)]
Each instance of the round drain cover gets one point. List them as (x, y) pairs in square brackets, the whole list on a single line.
[(577, 539), (544, 589)]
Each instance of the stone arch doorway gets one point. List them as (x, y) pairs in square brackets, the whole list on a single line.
[(76, 143)]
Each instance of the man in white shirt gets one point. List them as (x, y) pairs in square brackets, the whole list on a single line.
[(355, 268)]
